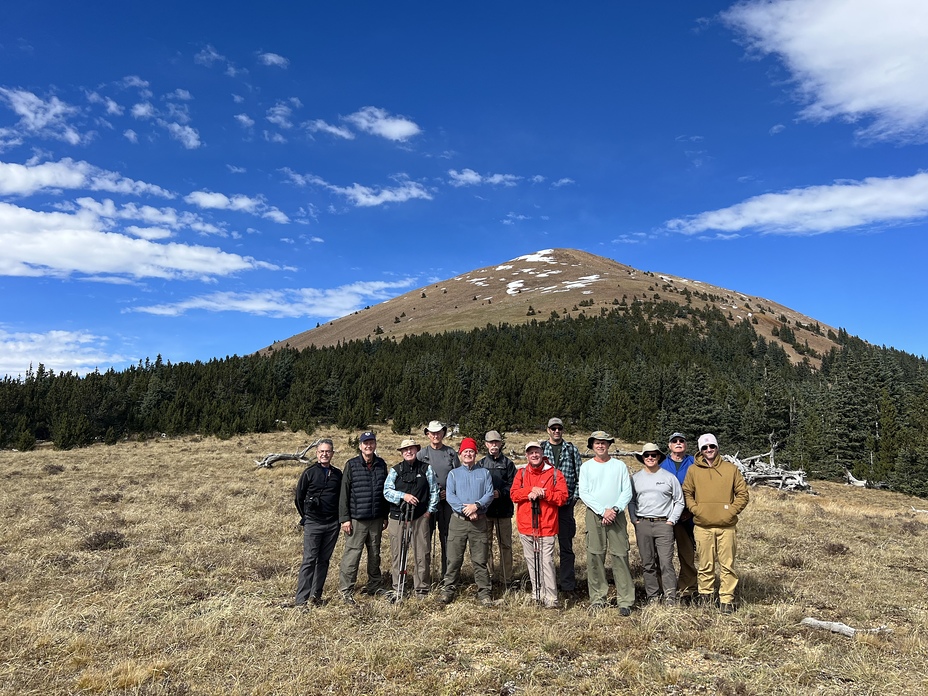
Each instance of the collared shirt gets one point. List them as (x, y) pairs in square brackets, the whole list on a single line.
[(569, 465), (467, 486), (605, 485), (396, 497)]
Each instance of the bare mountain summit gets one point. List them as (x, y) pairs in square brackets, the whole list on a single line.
[(565, 282)]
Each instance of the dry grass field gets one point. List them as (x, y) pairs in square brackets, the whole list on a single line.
[(159, 568)]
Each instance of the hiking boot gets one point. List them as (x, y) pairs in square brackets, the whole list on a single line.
[(727, 608), (349, 600), (552, 604), (446, 597), (596, 607), (487, 602), (625, 611)]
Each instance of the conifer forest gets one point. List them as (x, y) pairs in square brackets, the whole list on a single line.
[(639, 372)]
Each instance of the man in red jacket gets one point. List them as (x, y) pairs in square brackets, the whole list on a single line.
[(541, 482)]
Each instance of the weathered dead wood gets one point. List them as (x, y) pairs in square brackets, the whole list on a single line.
[(843, 629), (915, 509), (758, 472), (299, 456)]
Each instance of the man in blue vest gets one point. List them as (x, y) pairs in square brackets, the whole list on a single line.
[(678, 463), (362, 511)]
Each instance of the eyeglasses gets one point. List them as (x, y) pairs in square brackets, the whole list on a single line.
[(556, 428), (677, 441), (708, 447), (651, 455), (321, 452)]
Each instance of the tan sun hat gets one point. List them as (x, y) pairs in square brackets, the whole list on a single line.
[(434, 427), (599, 435), (650, 447), (408, 442)]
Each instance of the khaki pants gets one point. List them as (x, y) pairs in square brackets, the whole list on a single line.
[(614, 537), (365, 534), (715, 548), (461, 534), (419, 546), (547, 587), (655, 544), (500, 529)]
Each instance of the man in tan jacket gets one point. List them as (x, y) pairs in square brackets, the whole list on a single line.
[(716, 493)]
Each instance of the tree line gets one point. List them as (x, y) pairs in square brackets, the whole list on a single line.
[(633, 370)]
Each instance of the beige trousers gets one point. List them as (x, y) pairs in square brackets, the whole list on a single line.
[(715, 549)]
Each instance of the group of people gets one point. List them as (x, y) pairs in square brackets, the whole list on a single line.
[(435, 493)]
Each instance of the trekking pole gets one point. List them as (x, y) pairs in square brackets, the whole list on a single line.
[(536, 547), (406, 511)]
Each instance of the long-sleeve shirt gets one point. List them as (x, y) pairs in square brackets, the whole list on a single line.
[(656, 495), (467, 486), (605, 485), (503, 472), (568, 464), (396, 497)]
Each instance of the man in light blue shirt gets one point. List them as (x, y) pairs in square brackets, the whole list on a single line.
[(606, 489), (469, 492)]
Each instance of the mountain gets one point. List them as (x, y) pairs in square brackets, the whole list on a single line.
[(565, 282)]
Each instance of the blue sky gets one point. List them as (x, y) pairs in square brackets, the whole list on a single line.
[(201, 179)]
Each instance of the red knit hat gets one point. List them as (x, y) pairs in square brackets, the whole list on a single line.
[(468, 443)]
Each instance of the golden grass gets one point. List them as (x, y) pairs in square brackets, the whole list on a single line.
[(159, 568)]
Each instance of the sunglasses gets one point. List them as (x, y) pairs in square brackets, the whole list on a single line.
[(651, 455), (677, 441), (708, 447), (556, 428)]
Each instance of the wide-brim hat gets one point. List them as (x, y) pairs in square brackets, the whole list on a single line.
[(599, 435), (650, 447), (408, 442), (434, 427)]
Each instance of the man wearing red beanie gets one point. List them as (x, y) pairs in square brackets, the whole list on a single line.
[(469, 492)]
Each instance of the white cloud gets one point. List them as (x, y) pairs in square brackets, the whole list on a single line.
[(134, 81), (377, 121), (778, 128), (320, 125), (365, 196), (38, 117), (148, 232), (236, 170), (181, 94), (239, 203), (850, 59), (273, 137), (244, 120), (26, 179), (131, 135), (208, 56), (288, 303), (538, 179), (79, 352), (59, 244), (142, 110), (563, 182), (819, 209), (468, 177), (281, 113), (273, 59), (187, 136)]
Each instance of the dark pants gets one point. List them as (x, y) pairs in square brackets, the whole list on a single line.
[(318, 544), (566, 531), (655, 544), (365, 535), (442, 521)]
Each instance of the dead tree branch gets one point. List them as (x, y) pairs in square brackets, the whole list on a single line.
[(843, 629), (299, 456)]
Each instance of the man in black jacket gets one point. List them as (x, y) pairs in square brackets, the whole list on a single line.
[(501, 510), (362, 510), (316, 499)]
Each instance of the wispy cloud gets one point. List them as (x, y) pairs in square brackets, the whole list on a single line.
[(854, 59), (321, 126), (468, 177), (288, 303), (365, 196), (26, 179), (376, 121), (282, 112), (273, 59), (45, 118), (187, 136), (240, 203), (566, 181), (818, 209), (79, 352), (56, 244), (244, 120)]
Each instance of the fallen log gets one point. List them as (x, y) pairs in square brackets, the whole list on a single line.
[(840, 628), (298, 456)]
